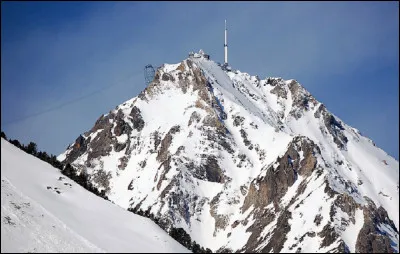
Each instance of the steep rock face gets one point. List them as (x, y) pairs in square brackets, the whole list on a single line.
[(377, 231), (229, 162), (334, 127), (137, 119), (282, 174), (77, 149), (269, 188)]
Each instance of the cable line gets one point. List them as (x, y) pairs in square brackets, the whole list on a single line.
[(71, 101)]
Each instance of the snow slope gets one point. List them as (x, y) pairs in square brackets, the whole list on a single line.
[(36, 218)]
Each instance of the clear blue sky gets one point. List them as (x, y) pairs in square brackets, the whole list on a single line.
[(345, 53)]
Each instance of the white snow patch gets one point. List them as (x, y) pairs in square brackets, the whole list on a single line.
[(349, 235), (81, 220), (122, 138)]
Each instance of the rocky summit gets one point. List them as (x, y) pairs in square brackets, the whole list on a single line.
[(227, 162)]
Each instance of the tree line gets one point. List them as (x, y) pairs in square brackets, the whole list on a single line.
[(31, 148), (67, 170), (179, 234)]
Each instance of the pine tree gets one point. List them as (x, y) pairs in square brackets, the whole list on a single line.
[(196, 247), (181, 236), (69, 171), (45, 157), (16, 143), (31, 148), (40, 155)]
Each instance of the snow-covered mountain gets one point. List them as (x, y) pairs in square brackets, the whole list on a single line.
[(43, 211), (242, 164)]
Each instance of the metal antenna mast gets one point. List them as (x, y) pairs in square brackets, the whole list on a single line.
[(226, 45)]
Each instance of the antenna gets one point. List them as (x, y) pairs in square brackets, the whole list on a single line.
[(226, 45)]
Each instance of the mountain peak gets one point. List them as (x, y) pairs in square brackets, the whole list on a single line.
[(238, 163)]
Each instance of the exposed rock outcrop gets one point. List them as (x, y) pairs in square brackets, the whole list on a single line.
[(334, 127), (372, 238), (137, 119)]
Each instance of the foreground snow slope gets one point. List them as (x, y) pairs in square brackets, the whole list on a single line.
[(43, 211)]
